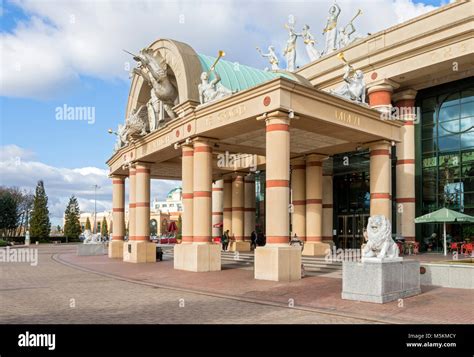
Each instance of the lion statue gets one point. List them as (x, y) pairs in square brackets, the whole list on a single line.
[(379, 239)]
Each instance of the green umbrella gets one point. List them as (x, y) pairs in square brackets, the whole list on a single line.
[(444, 215)]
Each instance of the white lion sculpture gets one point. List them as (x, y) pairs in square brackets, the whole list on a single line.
[(90, 238), (379, 239)]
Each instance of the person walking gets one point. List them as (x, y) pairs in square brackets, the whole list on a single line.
[(225, 240), (253, 240)]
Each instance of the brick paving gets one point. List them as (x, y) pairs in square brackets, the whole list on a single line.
[(52, 292), (150, 293)]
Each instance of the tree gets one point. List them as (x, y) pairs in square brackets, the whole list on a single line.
[(58, 228), (8, 212), (40, 225), (104, 232), (88, 224), (72, 226)]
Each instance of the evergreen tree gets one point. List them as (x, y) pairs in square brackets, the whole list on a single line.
[(72, 226), (8, 212), (88, 225), (104, 232), (40, 225)]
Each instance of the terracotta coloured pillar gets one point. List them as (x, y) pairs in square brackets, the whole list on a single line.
[(405, 102), (380, 179), (277, 260), (187, 167), (227, 204), (131, 204), (328, 209), (380, 94), (118, 217), (249, 207), (237, 231), (139, 249), (217, 208), (314, 206), (298, 188)]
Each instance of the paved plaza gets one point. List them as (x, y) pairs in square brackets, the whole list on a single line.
[(66, 288)]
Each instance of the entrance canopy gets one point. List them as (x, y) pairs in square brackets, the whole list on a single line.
[(320, 122)]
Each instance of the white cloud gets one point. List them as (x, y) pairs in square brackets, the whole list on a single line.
[(17, 169), (64, 40)]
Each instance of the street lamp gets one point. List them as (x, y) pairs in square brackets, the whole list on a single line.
[(95, 207)]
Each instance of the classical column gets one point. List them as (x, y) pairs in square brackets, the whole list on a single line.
[(380, 94), (327, 209), (118, 217), (298, 189), (227, 204), (202, 255), (139, 249), (277, 260), (217, 208), (187, 167), (237, 231), (249, 206), (380, 179), (405, 195), (314, 206), (131, 204)]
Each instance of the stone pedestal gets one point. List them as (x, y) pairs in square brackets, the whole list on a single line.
[(380, 281), (197, 257), (137, 251), (116, 249), (278, 263), (239, 246), (92, 249), (316, 248)]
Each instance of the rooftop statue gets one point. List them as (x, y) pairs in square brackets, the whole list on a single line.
[(212, 90), (154, 70), (137, 124), (121, 137), (379, 239), (272, 57), (354, 88), (309, 41), (331, 29), (346, 33), (290, 49)]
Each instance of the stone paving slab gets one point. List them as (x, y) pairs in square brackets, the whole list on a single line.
[(434, 306)]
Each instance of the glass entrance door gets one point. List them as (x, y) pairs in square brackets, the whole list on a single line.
[(350, 230)]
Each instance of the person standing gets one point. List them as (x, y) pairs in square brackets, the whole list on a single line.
[(225, 240), (253, 240)]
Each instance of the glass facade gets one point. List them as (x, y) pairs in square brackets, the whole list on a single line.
[(445, 153)]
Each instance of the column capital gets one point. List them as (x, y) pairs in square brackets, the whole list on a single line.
[(143, 164), (384, 85), (316, 157), (117, 177), (380, 145), (407, 94)]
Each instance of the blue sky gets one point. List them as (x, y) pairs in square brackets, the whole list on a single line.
[(70, 52)]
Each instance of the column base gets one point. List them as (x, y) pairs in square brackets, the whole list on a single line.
[(278, 263), (137, 251), (116, 249), (239, 246), (314, 249), (197, 257)]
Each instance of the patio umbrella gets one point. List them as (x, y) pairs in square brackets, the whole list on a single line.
[(444, 215), (172, 227)]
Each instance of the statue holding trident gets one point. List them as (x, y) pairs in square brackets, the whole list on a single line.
[(272, 57), (331, 29), (290, 50), (309, 41)]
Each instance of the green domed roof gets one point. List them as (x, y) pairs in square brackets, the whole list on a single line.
[(236, 76), (170, 194)]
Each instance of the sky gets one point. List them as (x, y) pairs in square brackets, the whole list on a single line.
[(68, 53)]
